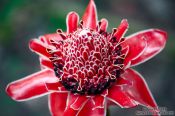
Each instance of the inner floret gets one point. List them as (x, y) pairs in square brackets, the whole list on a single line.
[(87, 61)]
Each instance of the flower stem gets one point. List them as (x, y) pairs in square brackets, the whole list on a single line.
[(108, 112)]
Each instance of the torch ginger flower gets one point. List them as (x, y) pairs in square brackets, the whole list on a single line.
[(87, 69)]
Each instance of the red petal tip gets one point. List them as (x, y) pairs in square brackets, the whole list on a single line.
[(155, 39), (37, 46), (90, 16), (163, 33), (125, 22), (72, 21), (104, 24), (31, 86), (31, 43), (121, 30), (10, 92), (104, 20)]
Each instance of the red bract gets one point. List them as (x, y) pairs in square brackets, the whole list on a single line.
[(87, 69)]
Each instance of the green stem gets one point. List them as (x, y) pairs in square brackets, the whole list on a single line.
[(108, 112)]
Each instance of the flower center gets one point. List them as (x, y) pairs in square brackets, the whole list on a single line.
[(87, 61)]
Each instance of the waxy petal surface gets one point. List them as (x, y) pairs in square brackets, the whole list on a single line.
[(76, 101), (156, 40), (121, 29), (64, 104), (119, 97), (72, 22), (90, 16), (38, 47), (56, 87), (88, 110), (31, 86), (46, 63), (135, 46), (99, 101), (132, 86), (47, 37), (57, 103), (104, 24)]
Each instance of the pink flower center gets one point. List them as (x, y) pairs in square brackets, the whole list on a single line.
[(87, 61)]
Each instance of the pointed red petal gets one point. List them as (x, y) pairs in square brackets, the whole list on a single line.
[(136, 91), (135, 46), (104, 24), (90, 16), (121, 30), (30, 86), (38, 47), (140, 91), (88, 110), (156, 40), (72, 22)]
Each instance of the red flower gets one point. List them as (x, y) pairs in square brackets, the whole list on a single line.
[(86, 69)]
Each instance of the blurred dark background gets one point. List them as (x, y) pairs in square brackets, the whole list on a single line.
[(21, 20)]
